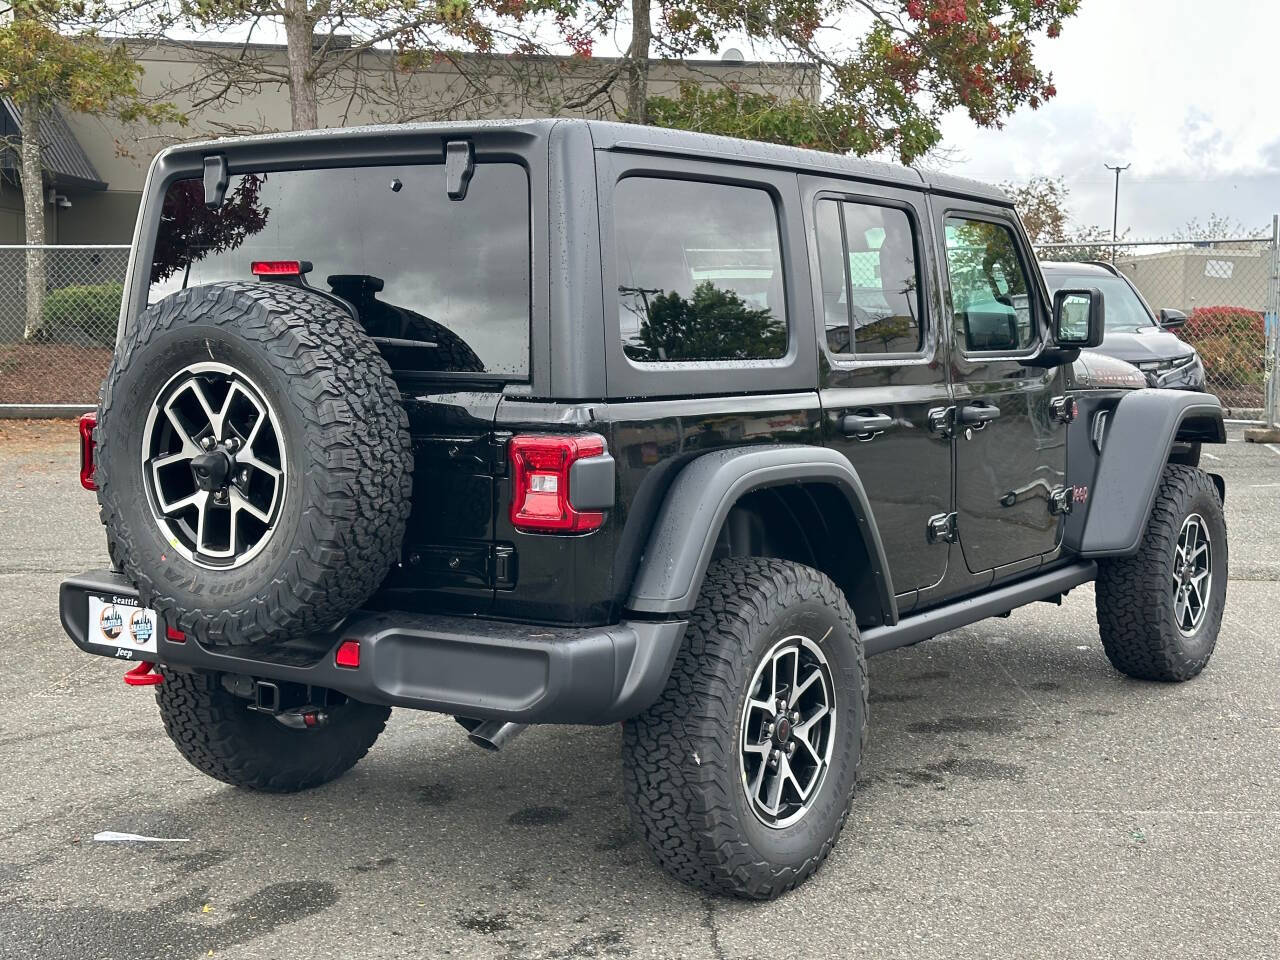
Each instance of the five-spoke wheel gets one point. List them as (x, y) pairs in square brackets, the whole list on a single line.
[(788, 728), (1192, 574), (214, 465)]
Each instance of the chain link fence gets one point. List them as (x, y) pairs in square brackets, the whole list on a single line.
[(54, 349), (1227, 289)]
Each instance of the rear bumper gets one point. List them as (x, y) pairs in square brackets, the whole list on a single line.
[(488, 669)]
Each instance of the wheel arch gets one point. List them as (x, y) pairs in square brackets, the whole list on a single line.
[(798, 503), (1138, 444)]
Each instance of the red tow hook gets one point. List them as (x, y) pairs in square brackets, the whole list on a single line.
[(142, 675)]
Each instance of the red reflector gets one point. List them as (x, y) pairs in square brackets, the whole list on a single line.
[(174, 636), (276, 268), (540, 469), (88, 451), (348, 654)]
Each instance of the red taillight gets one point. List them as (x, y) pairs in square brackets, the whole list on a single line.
[(276, 268), (540, 483), (174, 635), (348, 654), (88, 451)]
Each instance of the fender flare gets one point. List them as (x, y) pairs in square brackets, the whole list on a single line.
[(1135, 450), (683, 538)]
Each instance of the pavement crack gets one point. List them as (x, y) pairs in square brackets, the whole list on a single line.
[(709, 919)]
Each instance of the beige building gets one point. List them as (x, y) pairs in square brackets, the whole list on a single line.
[(96, 166), (1208, 275)]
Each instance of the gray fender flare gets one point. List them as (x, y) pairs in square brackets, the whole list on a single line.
[(683, 538), (1139, 437)]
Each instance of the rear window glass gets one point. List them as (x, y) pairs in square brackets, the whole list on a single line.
[(699, 272), (443, 284)]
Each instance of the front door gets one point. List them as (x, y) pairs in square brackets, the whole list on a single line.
[(1011, 453), (882, 367)]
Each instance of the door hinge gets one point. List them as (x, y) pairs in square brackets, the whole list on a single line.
[(942, 421), (504, 566), (498, 452), (942, 528), (1061, 500), (1064, 409)]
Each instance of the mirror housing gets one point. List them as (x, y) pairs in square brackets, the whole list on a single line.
[(1171, 319), (1079, 317)]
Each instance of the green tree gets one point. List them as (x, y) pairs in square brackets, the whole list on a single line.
[(363, 52), (884, 75), (710, 324), (1043, 204), (51, 57)]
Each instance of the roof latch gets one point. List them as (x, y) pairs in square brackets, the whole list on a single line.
[(215, 181), (459, 166)]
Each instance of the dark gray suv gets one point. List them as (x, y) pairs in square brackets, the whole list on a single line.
[(1134, 333)]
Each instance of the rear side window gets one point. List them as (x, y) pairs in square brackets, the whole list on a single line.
[(990, 292), (699, 272), (870, 279), (444, 284)]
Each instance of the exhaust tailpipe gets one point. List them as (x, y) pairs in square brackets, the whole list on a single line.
[(495, 734)]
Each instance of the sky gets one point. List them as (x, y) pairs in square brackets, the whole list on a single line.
[(1186, 91)]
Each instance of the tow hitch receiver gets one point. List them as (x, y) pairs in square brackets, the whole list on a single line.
[(291, 704), (143, 675)]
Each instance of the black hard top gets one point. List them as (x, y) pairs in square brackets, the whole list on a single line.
[(622, 136)]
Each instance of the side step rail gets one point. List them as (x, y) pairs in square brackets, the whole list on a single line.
[(961, 613)]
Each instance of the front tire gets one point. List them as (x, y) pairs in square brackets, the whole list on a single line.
[(220, 736), (734, 795), (1159, 611)]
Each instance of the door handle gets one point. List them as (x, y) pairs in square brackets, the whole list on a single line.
[(978, 415), (865, 426)]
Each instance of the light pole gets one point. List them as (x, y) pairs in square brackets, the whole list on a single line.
[(1115, 210)]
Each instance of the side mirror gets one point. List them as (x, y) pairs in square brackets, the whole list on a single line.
[(1079, 317), (1171, 319)]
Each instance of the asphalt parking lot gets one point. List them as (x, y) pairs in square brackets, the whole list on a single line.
[(1019, 799)]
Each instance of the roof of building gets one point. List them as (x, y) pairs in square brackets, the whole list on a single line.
[(64, 159), (611, 135)]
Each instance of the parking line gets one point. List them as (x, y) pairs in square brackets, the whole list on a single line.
[(1210, 455), (1273, 448)]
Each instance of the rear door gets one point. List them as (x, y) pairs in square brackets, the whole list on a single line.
[(443, 286), (1011, 453), (882, 378)]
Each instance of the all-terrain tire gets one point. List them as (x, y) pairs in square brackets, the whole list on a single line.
[(346, 492), (682, 772), (1136, 595), (220, 736)]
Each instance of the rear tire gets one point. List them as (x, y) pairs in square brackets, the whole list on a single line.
[(220, 736), (1159, 611), (692, 759)]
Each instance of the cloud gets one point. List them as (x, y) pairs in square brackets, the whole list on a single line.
[(1179, 89)]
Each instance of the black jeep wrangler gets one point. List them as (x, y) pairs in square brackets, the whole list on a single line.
[(582, 423)]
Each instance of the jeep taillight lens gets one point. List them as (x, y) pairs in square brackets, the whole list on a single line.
[(540, 468), (88, 451)]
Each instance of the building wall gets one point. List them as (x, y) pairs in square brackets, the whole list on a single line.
[(122, 152), (13, 222), (1198, 277)]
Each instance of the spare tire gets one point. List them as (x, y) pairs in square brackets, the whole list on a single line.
[(254, 463)]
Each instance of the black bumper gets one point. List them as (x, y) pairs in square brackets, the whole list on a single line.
[(488, 669)]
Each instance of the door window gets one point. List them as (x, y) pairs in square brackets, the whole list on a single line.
[(870, 279), (699, 272), (990, 291)]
